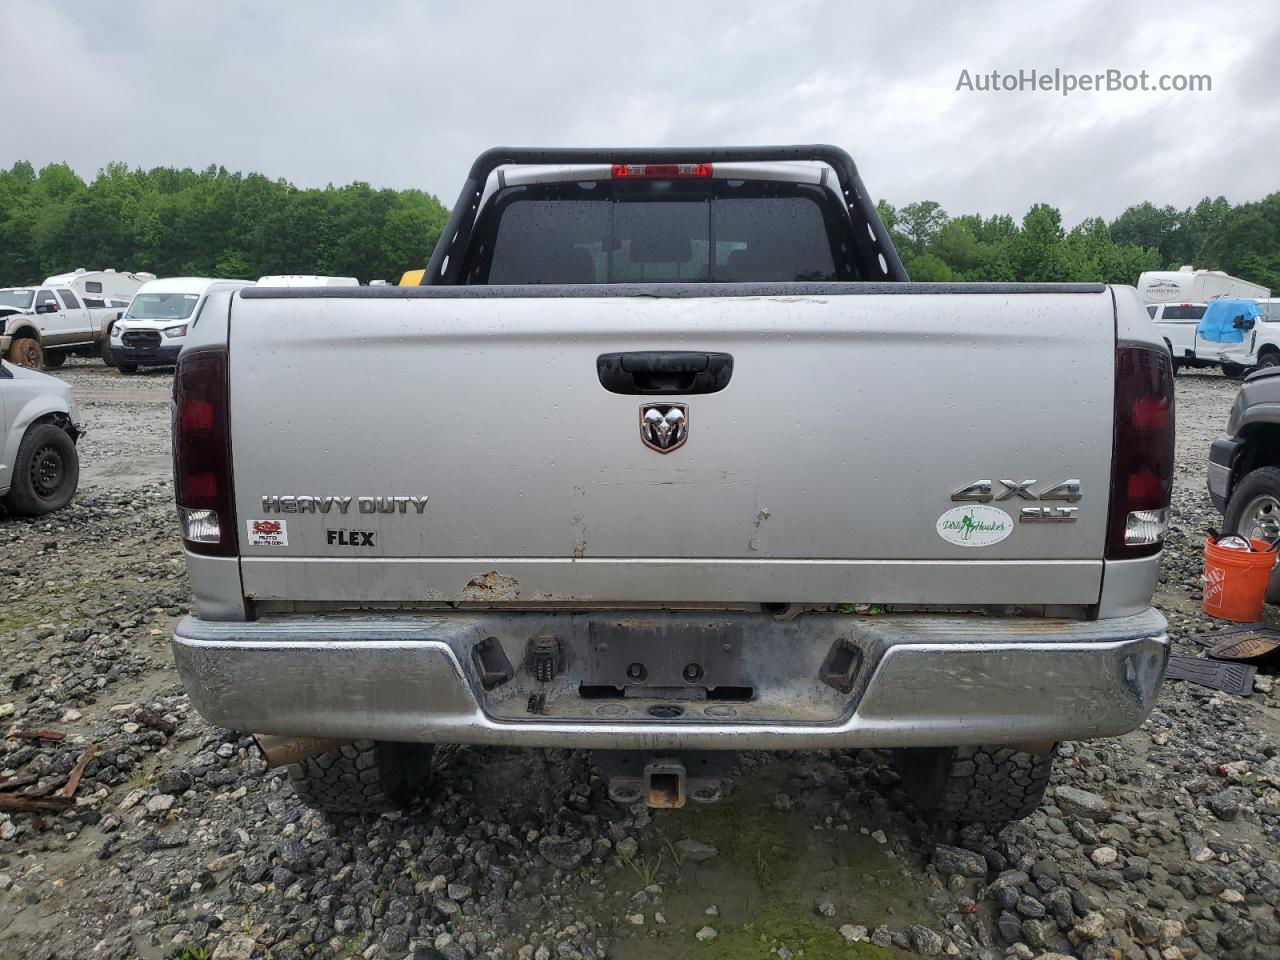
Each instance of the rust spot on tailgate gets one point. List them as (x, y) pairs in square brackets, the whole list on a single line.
[(491, 586)]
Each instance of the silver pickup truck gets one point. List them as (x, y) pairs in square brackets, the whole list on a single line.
[(668, 458)]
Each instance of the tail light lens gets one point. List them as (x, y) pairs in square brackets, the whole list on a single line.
[(202, 453), (1142, 456)]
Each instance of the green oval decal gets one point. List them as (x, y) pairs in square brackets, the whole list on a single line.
[(976, 525)]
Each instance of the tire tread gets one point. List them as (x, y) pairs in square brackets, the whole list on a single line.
[(365, 776), (989, 785)]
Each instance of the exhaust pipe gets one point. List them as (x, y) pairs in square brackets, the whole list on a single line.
[(285, 751)]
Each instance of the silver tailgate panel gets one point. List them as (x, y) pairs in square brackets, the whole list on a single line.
[(848, 422)]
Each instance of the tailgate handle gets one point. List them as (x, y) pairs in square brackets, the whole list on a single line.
[(664, 371)]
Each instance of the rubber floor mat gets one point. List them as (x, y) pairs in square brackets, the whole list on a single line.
[(1248, 645), (1221, 675), (1263, 633)]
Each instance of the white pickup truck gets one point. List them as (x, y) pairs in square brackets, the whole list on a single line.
[(666, 458), (1255, 343), (71, 313)]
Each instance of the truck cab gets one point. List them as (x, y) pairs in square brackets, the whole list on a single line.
[(1177, 325), (52, 317)]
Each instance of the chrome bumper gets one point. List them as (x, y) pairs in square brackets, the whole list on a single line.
[(923, 680)]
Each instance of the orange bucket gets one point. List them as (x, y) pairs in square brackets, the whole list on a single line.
[(1235, 582)]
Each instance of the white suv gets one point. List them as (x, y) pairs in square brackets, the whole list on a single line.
[(154, 328)]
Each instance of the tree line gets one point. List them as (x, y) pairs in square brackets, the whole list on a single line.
[(1243, 240), (209, 223), (216, 223)]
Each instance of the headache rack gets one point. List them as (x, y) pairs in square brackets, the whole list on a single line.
[(875, 253)]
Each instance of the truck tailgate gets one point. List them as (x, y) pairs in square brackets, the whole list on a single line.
[(820, 473)]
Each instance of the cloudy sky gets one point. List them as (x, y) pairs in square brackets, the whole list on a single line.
[(407, 93)]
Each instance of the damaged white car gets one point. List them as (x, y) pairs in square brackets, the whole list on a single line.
[(39, 427)]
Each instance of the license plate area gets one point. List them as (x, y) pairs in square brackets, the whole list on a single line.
[(669, 667), (651, 660)]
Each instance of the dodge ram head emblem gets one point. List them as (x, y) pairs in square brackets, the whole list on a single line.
[(664, 426)]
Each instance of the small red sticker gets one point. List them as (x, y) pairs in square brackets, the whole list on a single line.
[(268, 533)]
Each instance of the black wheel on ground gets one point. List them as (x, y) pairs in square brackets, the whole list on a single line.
[(27, 352), (54, 359), (128, 369), (990, 785), (1254, 511), (365, 776), (1173, 357), (1234, 371), (1269, 359), (45, 472), (104, 348)]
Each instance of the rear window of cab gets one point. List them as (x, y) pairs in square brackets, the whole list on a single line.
[(661, 231)]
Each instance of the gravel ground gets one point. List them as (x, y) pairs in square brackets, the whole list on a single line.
[(181, 843)]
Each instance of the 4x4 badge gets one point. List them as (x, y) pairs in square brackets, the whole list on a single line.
[(664, 426)]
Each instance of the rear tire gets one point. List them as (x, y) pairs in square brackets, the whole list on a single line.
[(1255, 507), (45, 472), (26, 352), (988, 785), (128, 369), (54, 359), (365, 776), (1234, 371)]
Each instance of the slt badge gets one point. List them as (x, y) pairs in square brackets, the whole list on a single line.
[(980, 491), (664, 426)]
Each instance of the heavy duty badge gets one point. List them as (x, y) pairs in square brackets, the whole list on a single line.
[(664, 426)]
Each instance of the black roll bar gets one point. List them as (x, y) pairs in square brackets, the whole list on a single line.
[(446, 259)]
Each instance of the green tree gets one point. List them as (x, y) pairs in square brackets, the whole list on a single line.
[(1146, 225), (920, 223), (1035, 252), (929, 268), (208, 222), (1247, 242)]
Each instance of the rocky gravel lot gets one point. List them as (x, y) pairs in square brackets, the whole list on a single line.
[(179, 841)]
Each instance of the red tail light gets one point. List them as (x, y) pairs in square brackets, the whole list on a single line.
[(1142, 456), (202, 453), (665, 171)]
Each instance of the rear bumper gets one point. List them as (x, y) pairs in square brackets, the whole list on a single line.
[(1222, 456), (922, 680)]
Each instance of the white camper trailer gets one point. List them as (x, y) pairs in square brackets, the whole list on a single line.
[(1189, 285), (105, 285)]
